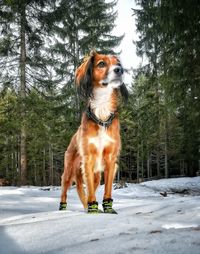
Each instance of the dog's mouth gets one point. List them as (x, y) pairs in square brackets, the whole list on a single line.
[(113, 81)]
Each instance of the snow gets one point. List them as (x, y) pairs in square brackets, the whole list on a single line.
[(147, 222)]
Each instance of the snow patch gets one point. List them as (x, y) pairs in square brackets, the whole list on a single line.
[(177, 226), (183, 185), (31, 223)]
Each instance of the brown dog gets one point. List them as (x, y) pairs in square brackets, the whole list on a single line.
[(96, 145)]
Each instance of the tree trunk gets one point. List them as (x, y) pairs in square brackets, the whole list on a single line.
[(35, 173), (166, 148), (148, 165), (50, 165), (23, 152), (138, 163), (76, 62), (158, 163), (142, 163), (44, 180)]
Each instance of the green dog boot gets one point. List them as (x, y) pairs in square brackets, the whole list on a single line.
[(107, 206), (63, 206), (93, 207)]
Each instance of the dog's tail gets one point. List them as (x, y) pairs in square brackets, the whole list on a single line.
[(80, 187)]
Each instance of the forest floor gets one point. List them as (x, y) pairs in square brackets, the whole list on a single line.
[(160, 217)]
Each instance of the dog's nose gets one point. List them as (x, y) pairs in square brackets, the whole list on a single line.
[(119, 70)]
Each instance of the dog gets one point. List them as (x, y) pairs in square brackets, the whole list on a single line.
[(95, 147)]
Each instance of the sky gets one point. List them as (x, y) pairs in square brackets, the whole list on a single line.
[(125, 24)]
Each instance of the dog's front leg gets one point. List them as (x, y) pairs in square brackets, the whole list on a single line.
[(109, 175), (90, 179), (88, 168)]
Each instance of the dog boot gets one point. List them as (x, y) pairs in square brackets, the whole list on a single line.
[(107, 206), (93, 207), (63, 206)]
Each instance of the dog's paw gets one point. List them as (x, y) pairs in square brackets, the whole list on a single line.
[(110, 211), (93, 207), (63, 206), (107, 206)]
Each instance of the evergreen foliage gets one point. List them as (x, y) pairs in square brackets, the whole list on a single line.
[(42, 43), (166, 90)]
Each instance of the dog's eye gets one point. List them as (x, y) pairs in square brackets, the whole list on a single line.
[(101, 64)]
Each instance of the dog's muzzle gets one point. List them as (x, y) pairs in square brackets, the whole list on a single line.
[(118, 72)]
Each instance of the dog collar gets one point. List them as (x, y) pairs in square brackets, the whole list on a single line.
[(98, 121)]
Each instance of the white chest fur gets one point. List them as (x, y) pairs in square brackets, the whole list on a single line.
[(100, 141), (100, 104)]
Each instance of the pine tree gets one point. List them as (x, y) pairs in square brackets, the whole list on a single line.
[(170, 40), (9, 136), (24, 66)]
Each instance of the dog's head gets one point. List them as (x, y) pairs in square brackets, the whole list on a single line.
[(100, 71)]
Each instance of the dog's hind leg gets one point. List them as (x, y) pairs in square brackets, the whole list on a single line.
[(66, 183), (66, 179), (68, 174)]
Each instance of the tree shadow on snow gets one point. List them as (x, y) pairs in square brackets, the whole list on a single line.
[(7, 244)]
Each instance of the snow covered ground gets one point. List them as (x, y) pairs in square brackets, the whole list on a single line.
[(147, 221)]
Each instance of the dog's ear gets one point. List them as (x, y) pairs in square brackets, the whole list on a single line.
[(124, 92), (83, 76)]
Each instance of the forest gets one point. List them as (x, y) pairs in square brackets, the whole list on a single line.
[(43, 42)]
